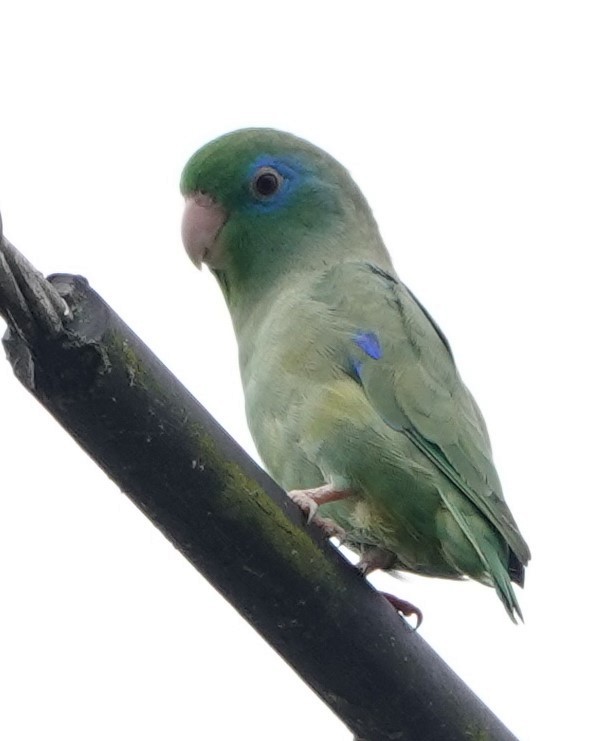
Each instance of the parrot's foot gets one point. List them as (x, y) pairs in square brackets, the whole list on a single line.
[(404, 607), (375, 558), (309, 500), (330, 529)]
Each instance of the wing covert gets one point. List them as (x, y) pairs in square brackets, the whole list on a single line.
[(405, 365)]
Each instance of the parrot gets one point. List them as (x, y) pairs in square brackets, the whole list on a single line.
[(352, 395)]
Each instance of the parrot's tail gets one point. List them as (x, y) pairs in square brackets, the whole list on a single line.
[(500, 579), (477, 549)]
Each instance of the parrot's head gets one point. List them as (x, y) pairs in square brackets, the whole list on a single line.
[(262, 203)]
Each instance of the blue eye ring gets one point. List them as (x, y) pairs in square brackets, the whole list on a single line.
[(266, 182)]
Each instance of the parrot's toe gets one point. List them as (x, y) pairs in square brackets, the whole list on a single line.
[(302, 498), (404, 607), (308, 501), (329, 528)]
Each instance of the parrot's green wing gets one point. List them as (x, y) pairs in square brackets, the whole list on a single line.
[(404, 364)]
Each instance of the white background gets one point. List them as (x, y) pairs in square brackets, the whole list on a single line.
[(477, 131)]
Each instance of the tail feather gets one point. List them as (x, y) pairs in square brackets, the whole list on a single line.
[(516, 569), (503, 586), (490, 559)]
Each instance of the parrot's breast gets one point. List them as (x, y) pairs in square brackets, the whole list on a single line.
[(312, 424)]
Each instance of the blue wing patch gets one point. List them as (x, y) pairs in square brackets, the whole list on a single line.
[(369, 344)]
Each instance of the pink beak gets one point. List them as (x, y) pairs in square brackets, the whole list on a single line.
[(202, 221)]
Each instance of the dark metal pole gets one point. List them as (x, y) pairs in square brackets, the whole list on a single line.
[(227, 517)]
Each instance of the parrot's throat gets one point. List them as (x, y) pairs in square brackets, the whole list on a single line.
[(256, 269), (224, 283)]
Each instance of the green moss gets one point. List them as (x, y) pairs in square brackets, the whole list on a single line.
[(477, 734), (133, 364), (243, 498), (247, 501)]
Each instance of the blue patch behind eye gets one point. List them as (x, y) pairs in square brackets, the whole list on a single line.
[(291, 173), (287, 167), (369, 343)]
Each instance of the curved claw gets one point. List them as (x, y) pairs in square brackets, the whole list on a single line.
[(404, 607), (309, 500), (304, 501)]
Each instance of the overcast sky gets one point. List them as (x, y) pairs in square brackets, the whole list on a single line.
[(477, 132)]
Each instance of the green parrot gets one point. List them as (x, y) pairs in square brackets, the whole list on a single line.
[(352, 394)]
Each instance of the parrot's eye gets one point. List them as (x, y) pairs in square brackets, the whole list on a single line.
[(266, 182)]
